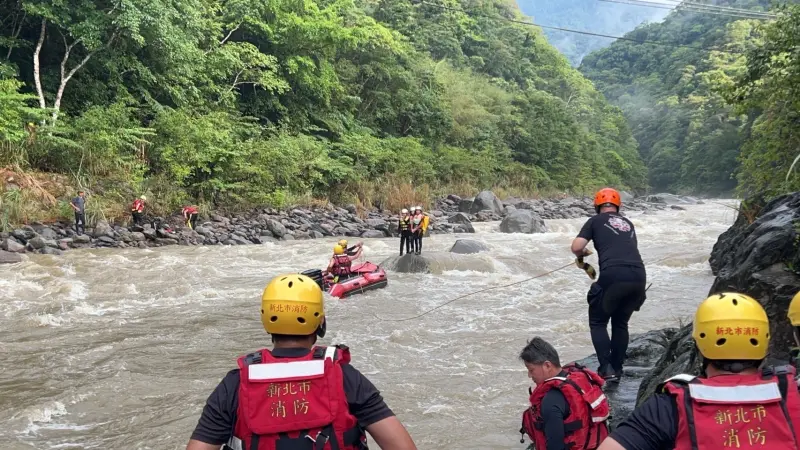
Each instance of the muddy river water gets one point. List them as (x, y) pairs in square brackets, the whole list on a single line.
[(118, 349)]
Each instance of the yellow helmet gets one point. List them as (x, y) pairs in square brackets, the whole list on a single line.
[(794, 310), (343, 243), (292, 304), (338, 249), (731, 326), (143, 197)]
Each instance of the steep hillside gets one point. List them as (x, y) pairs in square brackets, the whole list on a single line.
[(235, 103), (673, 95), (613, 19)]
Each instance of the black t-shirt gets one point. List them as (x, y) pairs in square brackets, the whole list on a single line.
[(614, 239), (554, 410), (216, 423), (651, 426)]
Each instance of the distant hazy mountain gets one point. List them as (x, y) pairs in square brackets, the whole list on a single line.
[(587, 15)]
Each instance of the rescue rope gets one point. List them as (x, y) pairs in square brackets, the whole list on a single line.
[(476, 292), (509, 285)]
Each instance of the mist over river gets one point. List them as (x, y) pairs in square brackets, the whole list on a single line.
[(118, 349)]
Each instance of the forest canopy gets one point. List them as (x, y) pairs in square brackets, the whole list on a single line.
[(257, 102)]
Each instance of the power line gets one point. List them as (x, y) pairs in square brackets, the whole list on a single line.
[(692, 3), (587, 33), (688, 6)]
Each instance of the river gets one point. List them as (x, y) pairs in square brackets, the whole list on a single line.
[(119, 349)]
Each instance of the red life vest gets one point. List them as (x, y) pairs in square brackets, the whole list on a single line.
[(138, 205), (295, 403), (189, 210), (586, 425), (761, 410), (341, 265)]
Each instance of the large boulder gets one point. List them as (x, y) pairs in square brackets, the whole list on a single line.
[(670, 199), (463, 220), (523, 221), (102, 229), (643, 354), (9, 258), (436, 263), (756, 256), (486, 200), (468, 246), (11, 245)]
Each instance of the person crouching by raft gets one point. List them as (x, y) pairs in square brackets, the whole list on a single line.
[(137, 210), (190, 215), (404, 228), (568, 408), (620, 289), (296, 395), (735, 403)]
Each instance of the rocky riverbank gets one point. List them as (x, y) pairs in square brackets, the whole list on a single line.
[(757, 256), (451, 214)]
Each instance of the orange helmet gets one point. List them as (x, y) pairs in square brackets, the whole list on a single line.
[(607, 195)]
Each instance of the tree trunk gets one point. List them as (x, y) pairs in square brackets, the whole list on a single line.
[(36, 77)]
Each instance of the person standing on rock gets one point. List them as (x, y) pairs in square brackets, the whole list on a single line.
[(568, 408), (620, 289), (190, 215), (137, 210), (404, 228), (416, 229), (736, 403), (79, 205), (297, 395)]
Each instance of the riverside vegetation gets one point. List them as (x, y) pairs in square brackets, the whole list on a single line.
[(710, 121), (234, 104)]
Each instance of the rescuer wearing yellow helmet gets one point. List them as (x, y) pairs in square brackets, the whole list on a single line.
[(340, 263), (296, 389), (349, 251), (794, 318), (734, 404)]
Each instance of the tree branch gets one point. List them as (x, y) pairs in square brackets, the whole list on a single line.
[(15, 33), (36, 71), (65, 77), (225, 39)]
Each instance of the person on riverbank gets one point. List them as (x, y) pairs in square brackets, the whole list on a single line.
[(734, 404), (340, 264), (416, 229), (568, 408), (404, 228), (190, 215), (620, 289), (794, 317), (137, 210), (79, 206), (297, 395)]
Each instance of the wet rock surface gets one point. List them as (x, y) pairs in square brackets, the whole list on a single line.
[(757, 256), (644, 352)]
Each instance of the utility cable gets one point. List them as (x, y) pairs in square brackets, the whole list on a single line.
[(588, 33)]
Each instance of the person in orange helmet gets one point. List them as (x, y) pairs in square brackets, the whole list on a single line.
[(620, 289)]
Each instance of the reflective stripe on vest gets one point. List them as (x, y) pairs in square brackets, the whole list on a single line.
[(735, 394), (296, 369)]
